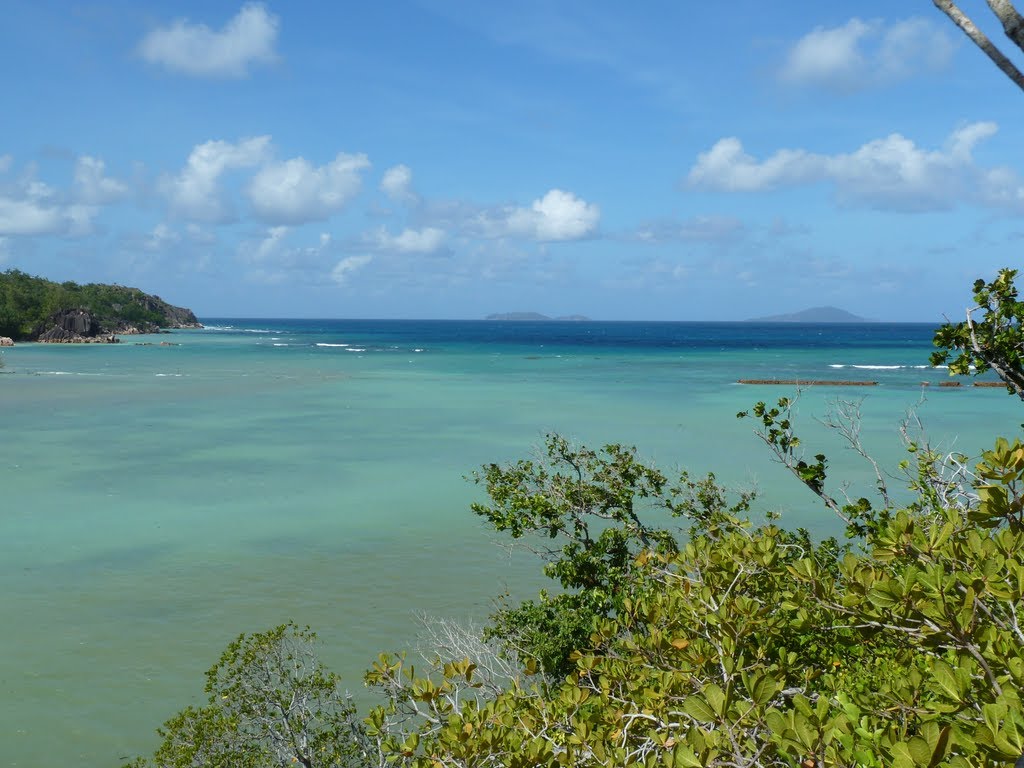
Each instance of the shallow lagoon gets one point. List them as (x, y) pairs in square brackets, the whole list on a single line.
[(157, 500)]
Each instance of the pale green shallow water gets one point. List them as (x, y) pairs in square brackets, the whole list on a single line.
[(146, 519)]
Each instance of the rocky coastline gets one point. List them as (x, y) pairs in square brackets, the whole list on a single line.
[(79, 326), (36, 309)]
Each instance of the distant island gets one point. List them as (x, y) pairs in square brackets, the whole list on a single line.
[(813, 315), (36, 309), (532, 316)]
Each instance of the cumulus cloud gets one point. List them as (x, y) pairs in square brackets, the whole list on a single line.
[(860, 54), (559, 215), (891, 173), (397, 184), (5, 163), (727, 166), (426, 240), (195, 192), (344, 269), (92, 186), (293, 191), (194, 49)]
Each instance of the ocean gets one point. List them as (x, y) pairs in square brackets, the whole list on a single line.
[(162, 495)]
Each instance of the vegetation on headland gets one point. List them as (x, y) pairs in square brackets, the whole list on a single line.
[(28, 305), (687, 632)]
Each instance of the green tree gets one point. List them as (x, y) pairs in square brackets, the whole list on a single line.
[(990, 338), (588, 514), (270, 704)]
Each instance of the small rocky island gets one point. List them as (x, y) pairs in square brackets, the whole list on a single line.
[(36, 309), (814, 315)]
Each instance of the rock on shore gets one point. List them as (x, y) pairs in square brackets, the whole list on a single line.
[(74, 326)]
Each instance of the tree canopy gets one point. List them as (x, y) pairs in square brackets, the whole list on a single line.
[(27, 303)]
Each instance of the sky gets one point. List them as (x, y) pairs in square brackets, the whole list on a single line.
[(452, 158)]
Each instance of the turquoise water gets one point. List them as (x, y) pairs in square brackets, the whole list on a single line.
[(157, 500)]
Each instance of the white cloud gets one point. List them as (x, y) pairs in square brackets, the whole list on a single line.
[(891, 173), (913, 44), (827, 55), (160, 238), (727, 167), (559, 215), (92, 187), (397, 184), (33, 208), (272, 260), (30, 217), (426, 240), (343, 269), (270, 244), (5, 163), (195, 192), (79, 219), (195, 49), (708, 229), (293, 191), (860, 54)]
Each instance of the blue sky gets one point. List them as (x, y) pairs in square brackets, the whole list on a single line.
[(449, 159)]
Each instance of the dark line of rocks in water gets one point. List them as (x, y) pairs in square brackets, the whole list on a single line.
[(811, 383), (841, 383)]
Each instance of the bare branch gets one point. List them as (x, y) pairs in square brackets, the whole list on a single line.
[(845, 419), (1013, 23), (981, 40)]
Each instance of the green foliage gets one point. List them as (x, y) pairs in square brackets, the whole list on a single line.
[(687, 635), (993, 341), (270, 703), (27, 302), (583, 512), (748, 645)]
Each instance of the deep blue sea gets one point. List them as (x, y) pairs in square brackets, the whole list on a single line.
[(161, 495)]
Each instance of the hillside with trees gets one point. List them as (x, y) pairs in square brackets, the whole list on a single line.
[(32, 306)]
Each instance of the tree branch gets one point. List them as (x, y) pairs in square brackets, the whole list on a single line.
[(981, 40), (1013, 22)]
